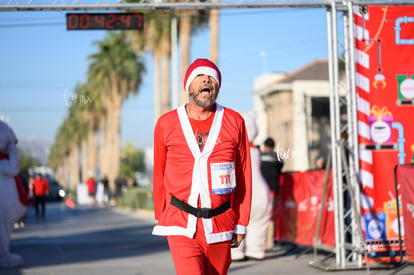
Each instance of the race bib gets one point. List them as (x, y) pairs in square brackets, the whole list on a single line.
[(223, 177)]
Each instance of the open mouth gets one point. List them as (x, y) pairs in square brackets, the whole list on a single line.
[(206, 89)]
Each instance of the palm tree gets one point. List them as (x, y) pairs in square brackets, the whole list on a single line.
[(115, 73), (117, 69), (156, 39), (149, 40), (65, 151), (95, 114), (58, 157), (76, 134), (81, 126), (82, 112), (91, 112)]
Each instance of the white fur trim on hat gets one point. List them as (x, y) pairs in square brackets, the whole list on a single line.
[(201, 70)]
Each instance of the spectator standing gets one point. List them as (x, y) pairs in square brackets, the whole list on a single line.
[(91, 185), (271, 167), (105, 183), (120, 185), (320, 162), (40, 191)]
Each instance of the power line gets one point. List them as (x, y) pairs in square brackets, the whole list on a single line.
[(32, 25), (37, 109)]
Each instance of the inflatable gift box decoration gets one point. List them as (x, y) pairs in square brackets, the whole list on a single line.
[(380, 123)]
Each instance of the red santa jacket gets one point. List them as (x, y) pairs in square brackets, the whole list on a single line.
[(196, 177)]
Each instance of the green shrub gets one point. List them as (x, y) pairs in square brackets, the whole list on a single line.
[(136, 198)]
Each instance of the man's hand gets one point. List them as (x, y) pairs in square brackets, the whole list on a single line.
[(237, 239)]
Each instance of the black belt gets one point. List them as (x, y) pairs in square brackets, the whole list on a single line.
[(205, 213)]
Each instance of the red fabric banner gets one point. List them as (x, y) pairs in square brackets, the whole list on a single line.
[(297, 209), (384, 39), (406, 181)]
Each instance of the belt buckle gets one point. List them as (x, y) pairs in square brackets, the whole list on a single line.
[(206, 213)]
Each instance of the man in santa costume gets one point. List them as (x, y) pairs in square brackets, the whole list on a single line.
[(202, 176)]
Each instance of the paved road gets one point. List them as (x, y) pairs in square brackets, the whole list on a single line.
[(108, 241)]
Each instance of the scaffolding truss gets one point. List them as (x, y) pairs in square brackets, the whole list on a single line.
[(49, 5), (344, 155)]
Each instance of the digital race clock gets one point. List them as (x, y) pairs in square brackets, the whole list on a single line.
[(104, 21)]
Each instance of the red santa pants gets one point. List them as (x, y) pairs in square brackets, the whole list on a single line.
[(196, 257)]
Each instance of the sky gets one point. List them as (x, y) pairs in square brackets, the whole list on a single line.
[(41, 63)]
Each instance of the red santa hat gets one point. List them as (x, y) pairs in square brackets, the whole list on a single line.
[(201, 66)]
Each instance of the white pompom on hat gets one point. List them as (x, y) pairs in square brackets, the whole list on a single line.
[(201, 66)]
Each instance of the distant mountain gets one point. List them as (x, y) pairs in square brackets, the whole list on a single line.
[(35, 148)]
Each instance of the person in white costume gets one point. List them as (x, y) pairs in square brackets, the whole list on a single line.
[(11, 208), (254, 245)]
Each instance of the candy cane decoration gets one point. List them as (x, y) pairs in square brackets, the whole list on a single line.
[(363, 107)]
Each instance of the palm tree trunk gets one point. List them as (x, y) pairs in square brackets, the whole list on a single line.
[(116, 149), (59, 175), (214, 33), (157, 86), (84, 164), (64, 174), (92, 158), (165, 60), (103, 160), (185, 46), (113, 139), (74, 165)]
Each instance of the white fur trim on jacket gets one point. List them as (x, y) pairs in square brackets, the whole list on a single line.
[(200, 182)]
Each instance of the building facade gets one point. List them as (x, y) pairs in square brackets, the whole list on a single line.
[(293, 109)]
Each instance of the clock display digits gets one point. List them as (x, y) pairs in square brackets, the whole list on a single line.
[(104, 21), (84, 21), (125, 20), (72, 21), (100, 20), (138, 20), (110, 22)]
